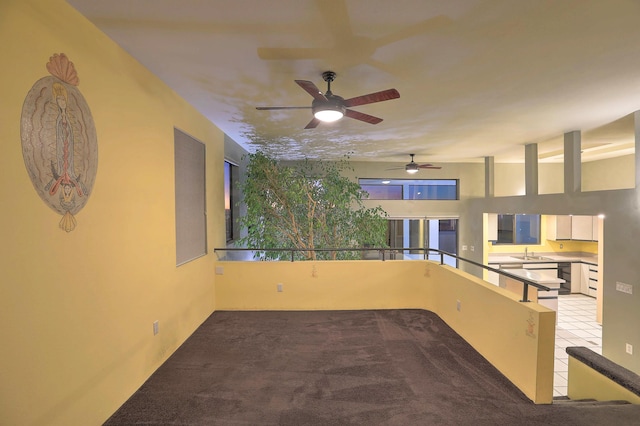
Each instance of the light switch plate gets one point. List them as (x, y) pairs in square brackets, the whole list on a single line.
[(624, 288)]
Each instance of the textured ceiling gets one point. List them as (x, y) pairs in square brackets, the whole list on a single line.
[(476, 77)]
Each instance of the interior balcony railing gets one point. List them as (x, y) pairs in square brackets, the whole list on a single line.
[(384, 254)]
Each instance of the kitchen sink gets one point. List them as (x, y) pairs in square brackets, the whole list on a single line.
[(531, 258)]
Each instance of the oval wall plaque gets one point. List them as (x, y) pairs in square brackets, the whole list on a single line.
[(59, 142)]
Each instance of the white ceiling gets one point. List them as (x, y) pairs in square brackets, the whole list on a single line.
[(476, 77)]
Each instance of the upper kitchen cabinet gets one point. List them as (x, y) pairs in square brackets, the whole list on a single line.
[(575, 227), (582, 228), (559, 227)]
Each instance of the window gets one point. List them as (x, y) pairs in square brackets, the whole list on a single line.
[(191, 213), (518, 229), (383, 192), (410, 189), (437, 190)]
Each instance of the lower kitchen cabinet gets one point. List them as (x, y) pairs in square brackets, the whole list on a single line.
[(576, 277), (589, 279), (493, 277), (593, 281)]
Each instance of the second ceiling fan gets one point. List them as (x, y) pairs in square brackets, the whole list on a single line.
[(328, 107), (413, 167)]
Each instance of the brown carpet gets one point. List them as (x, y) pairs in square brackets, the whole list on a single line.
[(396, 367)]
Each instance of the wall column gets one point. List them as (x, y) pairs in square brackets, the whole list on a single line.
[(531, 169), (636, 123), (572, 162), (489, 172)]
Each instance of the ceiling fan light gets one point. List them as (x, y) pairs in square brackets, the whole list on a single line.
[(328, 115), (412, 168)]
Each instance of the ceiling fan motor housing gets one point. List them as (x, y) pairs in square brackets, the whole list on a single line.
[(333, 103), (412, 167)]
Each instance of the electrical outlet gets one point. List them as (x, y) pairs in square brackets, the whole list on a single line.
[(458, 305), (156, 327), (561, 245), (629, 349), (464, 248), (219, 270), (472, 248), (279, 286)]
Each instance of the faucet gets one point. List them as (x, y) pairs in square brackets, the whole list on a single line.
[(525, 253)]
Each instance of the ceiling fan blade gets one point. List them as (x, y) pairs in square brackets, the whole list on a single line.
[(292, 53), (428, 166), (396, 168), (362, 117), (311, 89), (371, 98), (312, 124), (281, 107)]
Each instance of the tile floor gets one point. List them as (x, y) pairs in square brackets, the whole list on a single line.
[(576, 326)]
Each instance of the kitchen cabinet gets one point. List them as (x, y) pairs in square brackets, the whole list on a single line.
[(576, 227), (559, 227), (589, 280), (582, 228), (576, 277), (593, 281), (493, 277)]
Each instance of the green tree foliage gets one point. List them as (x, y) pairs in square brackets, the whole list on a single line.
[(307, 206)]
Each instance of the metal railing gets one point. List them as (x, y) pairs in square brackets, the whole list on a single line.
[(385, 252)]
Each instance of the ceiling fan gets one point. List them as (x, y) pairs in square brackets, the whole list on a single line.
[(413, 167), (328, 107)]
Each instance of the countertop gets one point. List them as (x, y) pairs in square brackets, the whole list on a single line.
[(536, 276), (504, 258)]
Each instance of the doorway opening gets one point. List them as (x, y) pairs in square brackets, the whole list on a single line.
[(417, 234)]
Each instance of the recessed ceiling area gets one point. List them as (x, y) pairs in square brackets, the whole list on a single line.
[(476, 78)]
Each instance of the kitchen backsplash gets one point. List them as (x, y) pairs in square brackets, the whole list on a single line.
[(549, 246)]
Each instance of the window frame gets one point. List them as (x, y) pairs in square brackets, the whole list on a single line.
[(514, 230), (190, 174), (408, 186)]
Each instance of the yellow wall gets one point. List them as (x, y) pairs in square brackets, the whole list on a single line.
[(526, 359), (587, 383), (321, 285), (77, 308)]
